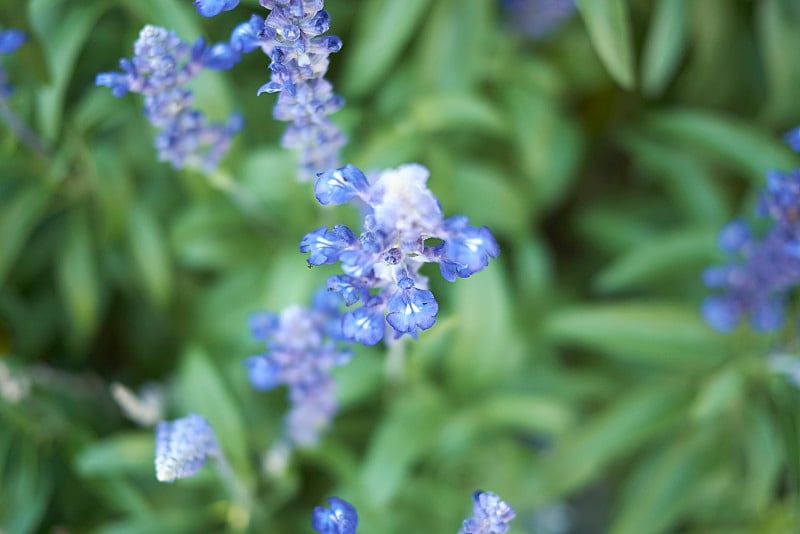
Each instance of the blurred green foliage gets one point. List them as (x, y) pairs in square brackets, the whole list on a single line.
[(574, 371)]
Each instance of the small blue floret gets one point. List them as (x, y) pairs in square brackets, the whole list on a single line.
[(411, 309), (364, 325), (262, 372), (212, 8), (11, 39), (182, 447), (220, 56), (467, 249), (340, 185), (340, 518), (491, 515), (325, 246), (244, 37)]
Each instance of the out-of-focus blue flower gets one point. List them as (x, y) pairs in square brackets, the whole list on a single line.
[(212, 8), (490, 515), (182, 447), (760, 272), (10, 40), (291, 35), (403, 229), (301, 352), (340, 518), (538, 18), (792, 138), (161, 66)]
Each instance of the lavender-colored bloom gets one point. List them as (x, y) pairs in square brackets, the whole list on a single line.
[(490, 515), (10, 40), (760, 272), (212, 8), (301, 352), (538, 18), (161, 66), (291, 35), (381, 266), (182, 447), (340, 518)]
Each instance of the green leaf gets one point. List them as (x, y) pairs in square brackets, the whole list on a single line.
[(124, 453), (150, 254), (548, 146), (175, 14), (735, 143), (662, 487), (509, 412), (384, 27), (777, 32), (403, 437), (18, 218), (763, 456), (481, 189), (673, 254), (691, 183), (722, 393), (62, 30), (457, 112), (482, 304), (78, 278), (27, 491), (609, 29), (635, 417), (665, 44), (645, 332), (443, 44), (201, 389)]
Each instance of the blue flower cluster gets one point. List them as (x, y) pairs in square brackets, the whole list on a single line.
[(403, 229), (161, 66), (182, 447), (301, 351), (291, 35), (538, 18), (756, 280), (491, 515), (10, 40)]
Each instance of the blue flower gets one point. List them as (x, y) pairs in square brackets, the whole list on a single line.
[(365, 325), (326, 245), (403, 228), (792, 138), (212, 8), (760, 271), (182, 447), (161, 66), (292, 37), (467, 250), (340, 185), (411, 308), (244, 37), (538, 18), (10, 40), (340, 518), (491, 515), (301, 351)]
